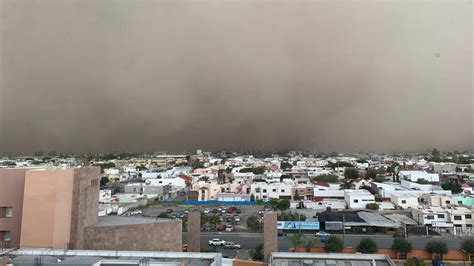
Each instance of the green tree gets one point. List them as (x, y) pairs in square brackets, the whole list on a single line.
[(163, 215), (334, 244), (371, 173), (296, 240), (253, 223), (283, 205), (401, 246), (311, 243), (351, 173), (285, 165), (214, 221), (367, 246), (104, 180), (372, 206), (414, 262), (257, 253), (468, 245), (345, 185), (330, 178), (437, 248), (453, 185)]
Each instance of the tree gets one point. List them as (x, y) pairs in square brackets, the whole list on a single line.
[(104, 180), (330, 178), (296, 240), (285, 165), (372, 206), (257, 253), (345, 185), (252, 197), (401, 246), (253, 223), (414, 262), (283, 205), (422, 181), (311, 243), (437, 248), (453, 185), (367, 246), (371, 173), (334, 244), (351, 173), (163, 215), (468, 245), (297, 195), (214, 221)]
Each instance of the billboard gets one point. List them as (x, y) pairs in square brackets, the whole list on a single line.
[(290, 225)]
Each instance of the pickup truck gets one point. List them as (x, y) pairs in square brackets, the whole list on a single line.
[(216, 242)]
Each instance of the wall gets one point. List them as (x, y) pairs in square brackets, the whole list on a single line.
[(12, 183), (47, 208), (247, 263), (85, 203), (160, 236)]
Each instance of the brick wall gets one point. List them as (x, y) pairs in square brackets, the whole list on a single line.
[(160, 236), (270, 237)]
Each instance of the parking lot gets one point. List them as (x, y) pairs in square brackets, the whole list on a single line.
[(213, 218)]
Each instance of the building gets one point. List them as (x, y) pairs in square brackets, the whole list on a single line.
[(266, 191), (57, 205), (437, 200), (287, 258), (358, 199), (405, 201), (414, 176), (11, 206)]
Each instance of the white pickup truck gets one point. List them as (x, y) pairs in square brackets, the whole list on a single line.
[(216, 242)]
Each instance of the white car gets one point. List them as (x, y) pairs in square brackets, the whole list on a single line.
[(231, 245), (229, 228), (237, 218), (216, 242), (207, 211)]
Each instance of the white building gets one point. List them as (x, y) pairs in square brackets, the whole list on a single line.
[(265, 191), (413, 176), (358, 199), (176, 182), (405, 201)]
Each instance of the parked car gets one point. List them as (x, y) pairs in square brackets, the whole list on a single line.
[(281, 233), (231, 245), (215, 211), (229, 228), (236, 218), (238, 211), (206, 211), (169, 210), (323, 236), (216, 242)]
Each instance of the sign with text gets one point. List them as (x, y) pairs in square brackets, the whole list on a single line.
[(290, 225)]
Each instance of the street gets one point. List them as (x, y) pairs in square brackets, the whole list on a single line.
[(251, 240)]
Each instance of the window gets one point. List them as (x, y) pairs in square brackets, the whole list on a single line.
[(460, 202), (469, 225), (457, 217), (283, 190), (430, 217), (404, 202), (7, 236), (274, 190), (94, 182), (441, 216), (9, 212), (264, 191), (257, 190), (468, 216), (356, 201), (448, 202)]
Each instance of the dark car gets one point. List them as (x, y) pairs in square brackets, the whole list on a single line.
[(169, 210)]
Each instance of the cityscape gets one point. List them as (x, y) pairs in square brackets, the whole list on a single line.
[(236, 132), (236, 208)]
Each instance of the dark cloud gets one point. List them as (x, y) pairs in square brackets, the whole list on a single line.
[(83, 75)]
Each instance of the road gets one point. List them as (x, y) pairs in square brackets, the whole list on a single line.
[(251, 240)]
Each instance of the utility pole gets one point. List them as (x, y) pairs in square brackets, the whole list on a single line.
[(344, 229)]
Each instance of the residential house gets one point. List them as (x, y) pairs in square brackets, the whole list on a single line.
[(358, 199)]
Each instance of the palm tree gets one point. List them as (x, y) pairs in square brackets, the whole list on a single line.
[(296, 240)]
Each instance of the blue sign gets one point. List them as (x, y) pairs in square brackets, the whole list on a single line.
[(287, 225)]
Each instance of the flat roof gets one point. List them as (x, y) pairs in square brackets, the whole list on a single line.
[(121, 220)]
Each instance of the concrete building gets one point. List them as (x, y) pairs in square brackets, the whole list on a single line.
[(270, 234), (413, 176), (58, 205), (286, 258), (404, 201), (129, 233), (12, 185), (358, 199), (266, 191)]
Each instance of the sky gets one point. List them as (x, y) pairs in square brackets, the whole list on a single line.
[(316, 75)]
